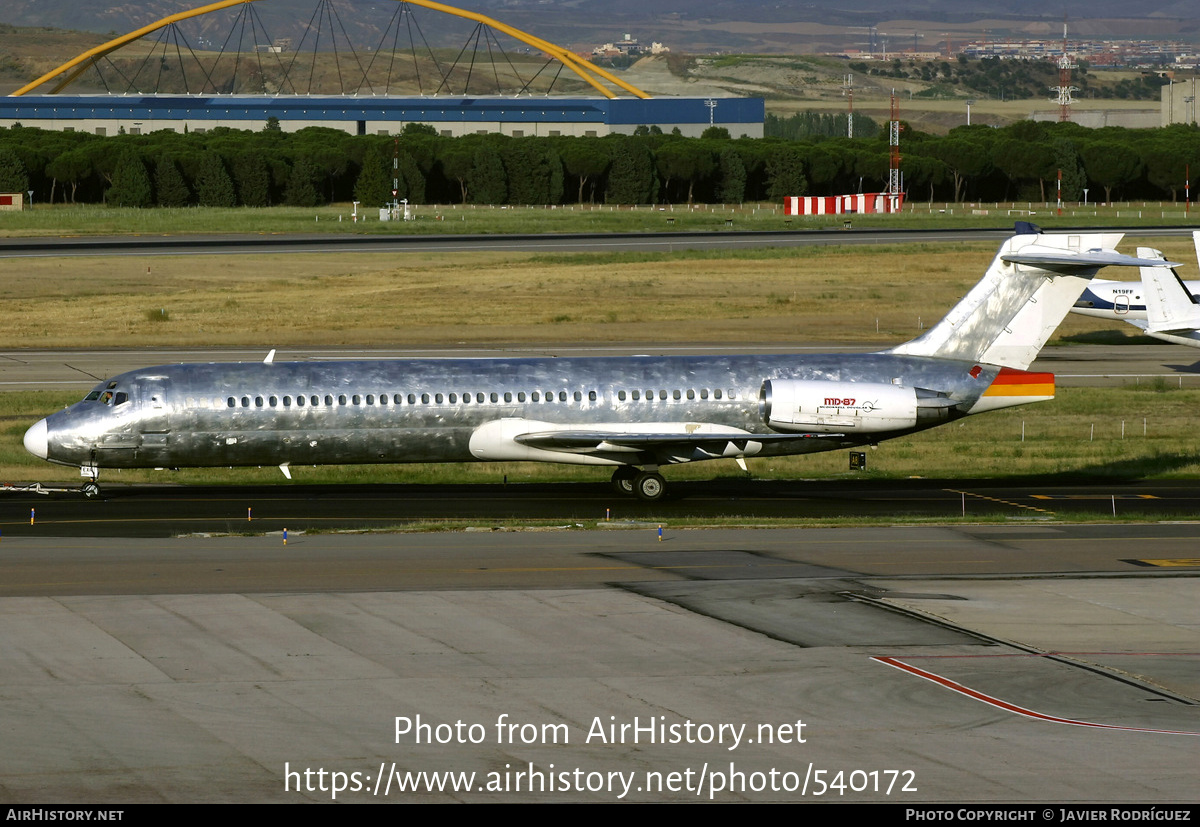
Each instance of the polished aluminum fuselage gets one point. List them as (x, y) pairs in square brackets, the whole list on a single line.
[(427, 410)]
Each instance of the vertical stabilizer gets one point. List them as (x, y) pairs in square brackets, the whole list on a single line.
[(1170, 306), (1028, 289)]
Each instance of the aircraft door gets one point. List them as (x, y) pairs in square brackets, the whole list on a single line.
[(1121, 305), (154, 414)]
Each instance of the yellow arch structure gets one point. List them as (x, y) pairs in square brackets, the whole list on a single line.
[(589, 72)]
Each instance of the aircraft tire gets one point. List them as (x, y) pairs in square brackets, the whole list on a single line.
[(90, 490), (649, 486), (622, 479)]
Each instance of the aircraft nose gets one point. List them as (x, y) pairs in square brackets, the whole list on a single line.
[(36, 440)]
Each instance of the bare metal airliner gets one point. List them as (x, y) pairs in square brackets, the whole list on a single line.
[(634, 414)]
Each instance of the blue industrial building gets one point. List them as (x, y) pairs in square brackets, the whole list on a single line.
[(384, 115)]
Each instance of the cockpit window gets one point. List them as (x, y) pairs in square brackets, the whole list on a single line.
[(122, 398), (111, 385), (106, 397), (92, 397)]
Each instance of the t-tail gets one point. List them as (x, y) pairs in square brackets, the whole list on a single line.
[(1029, 288), (1172, 312)]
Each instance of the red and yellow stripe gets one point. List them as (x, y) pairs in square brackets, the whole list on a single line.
[(1021, 383)]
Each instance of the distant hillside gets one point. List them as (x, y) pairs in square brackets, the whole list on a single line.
[(684, 25)]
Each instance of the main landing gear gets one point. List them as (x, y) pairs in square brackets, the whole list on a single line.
[(645, 485), (91, 489)]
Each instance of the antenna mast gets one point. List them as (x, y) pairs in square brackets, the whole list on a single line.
[(1064, 88)]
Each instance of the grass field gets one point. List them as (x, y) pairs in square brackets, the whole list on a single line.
[(437, 219), (794, 295)]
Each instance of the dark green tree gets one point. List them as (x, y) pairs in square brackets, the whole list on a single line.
[(301, 189), (169, 186), (731, 174), (686, 162), (13, 175), (1066, 160), (214, 187), (252, 179), (487, 181), (130, 182), (584, 160), (374, 185), (785, 173), (631, 177), (1110, 164), (70, 168)]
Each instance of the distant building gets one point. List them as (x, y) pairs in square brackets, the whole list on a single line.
[(628, 47), (1179, 101), (384, 115)]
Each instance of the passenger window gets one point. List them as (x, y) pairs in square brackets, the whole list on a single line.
[(495, 397), (424, 399), (438, 398), (245, 402), (662, 394), (521, 396), (508, 396), (676, 395), (287, 401), (341, 399), (637, 395), (479, 398), (717, 393), (691, 394), (357, 399), (704, 393), (621, 395), (578, 396), (258, 401), (232, 402), (536, 397), (591, 396), (398, 398), (299, 401), (329, 400), (562, 396), (370, 399), (412, 399)]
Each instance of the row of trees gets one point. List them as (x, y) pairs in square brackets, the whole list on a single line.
[(227, 167)]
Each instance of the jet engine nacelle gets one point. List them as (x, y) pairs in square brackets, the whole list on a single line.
[(819, 406)]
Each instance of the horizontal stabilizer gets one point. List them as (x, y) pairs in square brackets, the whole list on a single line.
[(1061, 262)]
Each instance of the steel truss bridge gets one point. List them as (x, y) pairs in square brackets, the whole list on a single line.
[(176, 56)]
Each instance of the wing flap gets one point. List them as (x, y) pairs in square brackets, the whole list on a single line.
[(625, 441)]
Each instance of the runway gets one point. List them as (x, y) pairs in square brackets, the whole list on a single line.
[(1030, 663), (180, 510), (348, 243)]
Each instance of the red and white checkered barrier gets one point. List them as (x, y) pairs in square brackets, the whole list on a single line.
[(867, 202)]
